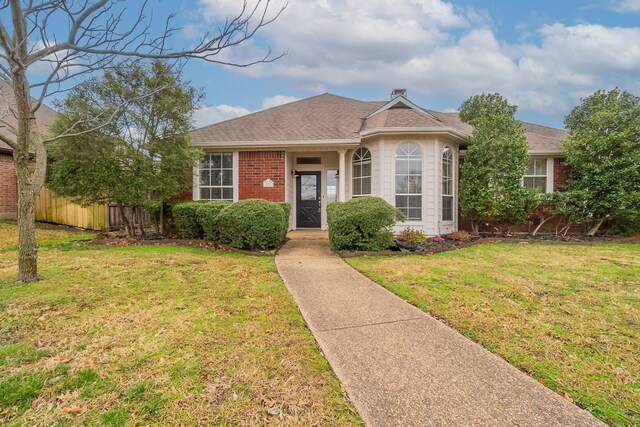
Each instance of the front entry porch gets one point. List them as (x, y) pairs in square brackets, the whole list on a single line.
[(313, 181)]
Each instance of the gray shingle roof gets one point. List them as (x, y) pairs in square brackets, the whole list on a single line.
[(329, 117), (45, 116)]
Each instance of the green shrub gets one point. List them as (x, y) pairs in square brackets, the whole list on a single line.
[(207, 214), (185, 219), (252, 224), (362, 224), (411, 235)]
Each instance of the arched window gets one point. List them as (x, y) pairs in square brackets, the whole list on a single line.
[(409, 181), (361, 172), (447, 184)]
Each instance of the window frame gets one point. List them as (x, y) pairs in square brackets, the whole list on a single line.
[(449, 194), (221, 170), (547, 175), (409, 195), (360, 158)]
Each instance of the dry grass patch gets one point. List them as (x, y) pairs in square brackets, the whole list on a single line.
[(567, 314), (155, 335)]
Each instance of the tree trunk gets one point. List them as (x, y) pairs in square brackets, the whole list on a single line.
[(566, 228), (475, 227), (29, 145), (125, 220), (140, 215), (539, 226), (593, 230), (27, 249), (160, 225)]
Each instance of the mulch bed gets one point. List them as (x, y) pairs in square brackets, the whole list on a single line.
[(433, 246)]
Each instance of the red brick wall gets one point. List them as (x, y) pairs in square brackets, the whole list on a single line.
[(561, 174), (8, 187), (257, 166)]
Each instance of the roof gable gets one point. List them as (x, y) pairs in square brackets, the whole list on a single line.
[(401, 102)]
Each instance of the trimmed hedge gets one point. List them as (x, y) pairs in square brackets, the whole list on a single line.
[(185, 219), (363, 223), (252, 224), (207, 215)]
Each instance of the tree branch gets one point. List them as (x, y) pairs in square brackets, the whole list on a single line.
[(67, 133)]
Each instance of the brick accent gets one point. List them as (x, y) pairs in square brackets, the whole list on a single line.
[(257, 166), (8, 187), (561, 173)]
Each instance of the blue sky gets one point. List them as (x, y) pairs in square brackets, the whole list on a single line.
[(542, 55)]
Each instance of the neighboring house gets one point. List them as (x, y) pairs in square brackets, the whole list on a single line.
[(45, 117), (327, 148)]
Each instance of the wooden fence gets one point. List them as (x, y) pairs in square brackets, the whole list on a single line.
[(60, 210)]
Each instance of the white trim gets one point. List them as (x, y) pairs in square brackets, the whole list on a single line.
[(550, 176), (445, 130), (540, 153), (196, 181), (381, 159), (213, 145), (236, 176), (342, 175)]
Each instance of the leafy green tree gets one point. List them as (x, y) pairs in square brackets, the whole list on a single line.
[(142, 156), (603, 151), (491, 182)]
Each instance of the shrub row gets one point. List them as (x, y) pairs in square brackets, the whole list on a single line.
[(247, 224), (364, 223)]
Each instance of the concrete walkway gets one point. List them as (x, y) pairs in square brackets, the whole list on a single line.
[(400, 366)]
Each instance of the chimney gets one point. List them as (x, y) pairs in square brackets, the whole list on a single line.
[(398, 92)]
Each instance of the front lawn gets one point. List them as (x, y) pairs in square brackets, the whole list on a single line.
[(567, 314), (158, 335), (46, 234)]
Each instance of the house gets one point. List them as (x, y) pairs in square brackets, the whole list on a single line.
[(326, 148), (45, 117)]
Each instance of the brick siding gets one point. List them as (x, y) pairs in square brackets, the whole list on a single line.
[(561, 173), (257, 166), (8, 187)]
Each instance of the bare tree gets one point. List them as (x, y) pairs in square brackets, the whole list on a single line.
[(80, 37)]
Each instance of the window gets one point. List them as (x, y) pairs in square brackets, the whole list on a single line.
[(447, 185), (409, 181), (309, 160), (536, 176), (332, 185), (216, 177), (361, 172)]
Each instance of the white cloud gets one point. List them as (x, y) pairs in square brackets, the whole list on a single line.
[(210, 114), (276, 100), (626, 5), (437, 49)]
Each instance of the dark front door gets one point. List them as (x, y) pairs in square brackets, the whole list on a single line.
[(308, 200)]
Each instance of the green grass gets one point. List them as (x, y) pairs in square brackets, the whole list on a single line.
[(567, 314), (46, 235), (157, 335)]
